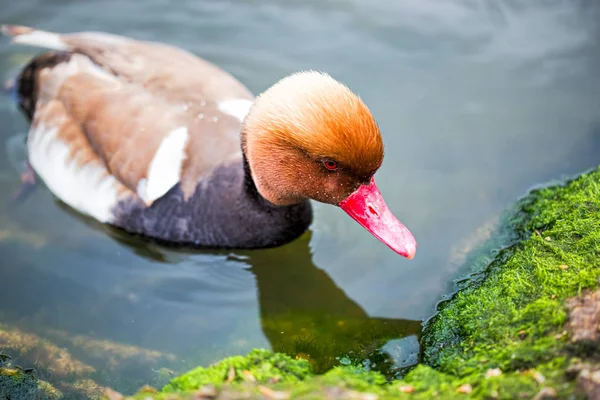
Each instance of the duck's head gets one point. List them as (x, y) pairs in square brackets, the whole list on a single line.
[(310, 137)]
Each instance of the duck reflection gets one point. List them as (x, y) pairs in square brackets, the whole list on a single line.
[(303, 312)]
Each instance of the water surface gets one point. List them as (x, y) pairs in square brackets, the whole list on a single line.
[(478, 101)]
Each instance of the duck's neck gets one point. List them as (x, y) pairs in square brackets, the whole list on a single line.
[(226, 211)]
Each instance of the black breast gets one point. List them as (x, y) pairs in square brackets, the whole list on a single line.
[(226, 211)]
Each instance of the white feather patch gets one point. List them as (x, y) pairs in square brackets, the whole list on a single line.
[(42, 39), (165, 169), (238, 108), (87, 188)]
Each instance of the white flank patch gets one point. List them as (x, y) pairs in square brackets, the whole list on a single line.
[(86, 188), (165, 169), (42, 39), (238, 108)]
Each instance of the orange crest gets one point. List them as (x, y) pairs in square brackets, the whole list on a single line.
[(320, 116)]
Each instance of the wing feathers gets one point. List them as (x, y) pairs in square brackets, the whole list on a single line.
[(151, 114), (34, 37)]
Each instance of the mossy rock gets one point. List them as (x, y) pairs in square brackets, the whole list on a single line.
[(512, 316), (502, 335)]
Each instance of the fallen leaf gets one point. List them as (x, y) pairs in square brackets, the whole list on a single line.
[(560, 335), (466, 388), (248, 376), (407, 389), (273, 394), (493, 372), (230, 374), (539, 378)]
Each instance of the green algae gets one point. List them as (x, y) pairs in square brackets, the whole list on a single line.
[(513, 318), (500, 336), (259, 365)]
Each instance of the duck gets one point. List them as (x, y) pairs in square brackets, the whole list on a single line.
[(156, 141)]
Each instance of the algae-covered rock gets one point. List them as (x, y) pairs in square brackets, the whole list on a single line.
[(19, 384), (512, 315), (110, 354), (57, 361), (79, 365)]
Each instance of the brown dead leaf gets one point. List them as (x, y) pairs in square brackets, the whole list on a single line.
[(407, 389), (230, 374), (248, 376), (466, 388), (273, 394)]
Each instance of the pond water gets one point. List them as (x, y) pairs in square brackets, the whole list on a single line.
[(478, 102)]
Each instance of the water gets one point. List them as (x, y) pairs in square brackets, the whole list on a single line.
[(478, 102)]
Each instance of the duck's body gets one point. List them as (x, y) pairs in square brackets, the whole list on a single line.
[(159, 142)]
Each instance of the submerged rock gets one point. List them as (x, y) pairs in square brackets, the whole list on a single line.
[(74, 378), (58, 362), (19, 384), (110, 353)]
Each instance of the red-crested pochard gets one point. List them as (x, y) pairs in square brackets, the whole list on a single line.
[(154, 140)]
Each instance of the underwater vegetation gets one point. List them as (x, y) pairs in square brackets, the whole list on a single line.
[(50, 371), (17, 383)]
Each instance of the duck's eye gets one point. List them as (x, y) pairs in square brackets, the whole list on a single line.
[(330, 165)]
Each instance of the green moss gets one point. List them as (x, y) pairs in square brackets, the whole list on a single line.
[(500, 336), (262, 366), (513, 318), (353, 377)]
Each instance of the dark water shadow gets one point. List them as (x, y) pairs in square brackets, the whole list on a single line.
[(303, 312)]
